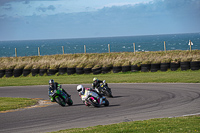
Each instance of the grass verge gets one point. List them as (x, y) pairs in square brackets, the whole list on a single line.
[(7, 103), (163, 125), (169, 76), (98, 59)]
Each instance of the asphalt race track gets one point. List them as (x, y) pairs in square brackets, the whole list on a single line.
[(131, 102)]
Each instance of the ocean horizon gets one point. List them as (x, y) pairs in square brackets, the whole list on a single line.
[(100, 44)]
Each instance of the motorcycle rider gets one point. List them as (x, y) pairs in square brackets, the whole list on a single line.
[(81, 90), (55, 86), (96, 83)]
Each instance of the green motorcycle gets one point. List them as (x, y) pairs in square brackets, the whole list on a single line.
[(61, 98)]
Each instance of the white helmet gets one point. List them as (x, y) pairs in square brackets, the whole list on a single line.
[(79, 88)]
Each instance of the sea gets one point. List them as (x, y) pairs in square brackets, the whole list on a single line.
[(99, 45)]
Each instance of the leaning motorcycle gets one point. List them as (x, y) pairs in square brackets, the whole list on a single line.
[(95, 100), (104, 89), (61, 98)]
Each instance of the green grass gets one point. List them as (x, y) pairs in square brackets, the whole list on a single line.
[(178, 76), (7, 103), (161, 125)]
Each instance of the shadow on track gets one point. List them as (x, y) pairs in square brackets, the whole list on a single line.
[(117, 96), (114, 105), (78, 105)]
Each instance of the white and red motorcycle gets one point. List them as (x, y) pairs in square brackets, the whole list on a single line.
[(91, 97)]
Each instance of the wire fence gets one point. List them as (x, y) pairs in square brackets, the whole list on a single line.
[(52, 47), (135, 47)]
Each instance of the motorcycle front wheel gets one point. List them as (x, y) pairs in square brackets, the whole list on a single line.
[(106, 103), (69, 101)]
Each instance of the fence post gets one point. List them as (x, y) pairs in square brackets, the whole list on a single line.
[(38, 51), (84, 49), (15, 52), (134, 47), (63, 49), (164, 46), (109, 48), (190, 45)]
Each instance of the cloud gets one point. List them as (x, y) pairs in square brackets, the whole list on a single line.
[(3, 2), (7, 7), (61, 6), (57, 20), (44, 9), (156, 9), (150, 18)]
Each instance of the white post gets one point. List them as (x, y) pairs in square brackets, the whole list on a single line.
[(84, 48), (190, 45), (109, 48), (15, 52), (63, 49), (38, 51), (164, 46), (134, 47)]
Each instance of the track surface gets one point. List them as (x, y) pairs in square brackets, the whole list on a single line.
[(131, 102)]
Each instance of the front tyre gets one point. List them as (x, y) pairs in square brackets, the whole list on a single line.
[(69, 101), (106, 103)]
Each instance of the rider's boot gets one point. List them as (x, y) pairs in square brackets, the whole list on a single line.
[(52, 100), (86, 104)]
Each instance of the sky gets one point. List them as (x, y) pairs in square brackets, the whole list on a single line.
[(62, 19)]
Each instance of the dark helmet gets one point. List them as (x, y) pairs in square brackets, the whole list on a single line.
[(51, 82)]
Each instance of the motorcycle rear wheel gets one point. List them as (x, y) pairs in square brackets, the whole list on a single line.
[(93, 103), (108, 93), (60, 101)]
